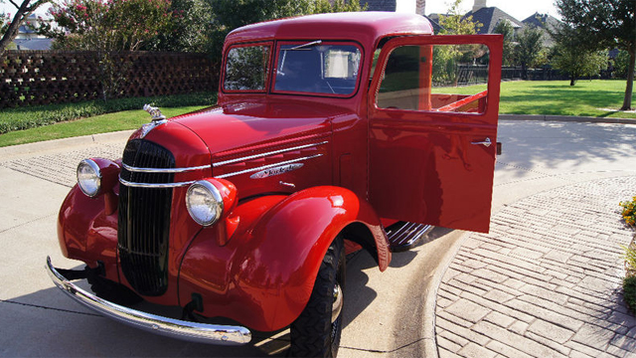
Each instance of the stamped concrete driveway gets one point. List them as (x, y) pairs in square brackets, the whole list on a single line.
[(388, 314)]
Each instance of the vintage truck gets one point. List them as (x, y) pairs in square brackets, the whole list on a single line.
[(333, 133)]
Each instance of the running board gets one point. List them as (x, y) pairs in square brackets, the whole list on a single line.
[(404, 235)]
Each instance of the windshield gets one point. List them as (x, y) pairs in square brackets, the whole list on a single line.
[(316, 67)]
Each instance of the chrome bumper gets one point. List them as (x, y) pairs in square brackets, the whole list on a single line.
[(184, 330)]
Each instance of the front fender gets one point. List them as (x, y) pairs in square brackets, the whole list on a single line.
[(276, 258)]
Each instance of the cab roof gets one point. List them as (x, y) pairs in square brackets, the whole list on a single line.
[(365, 27)]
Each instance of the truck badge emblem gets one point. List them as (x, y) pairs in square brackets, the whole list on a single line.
[(276, 171)]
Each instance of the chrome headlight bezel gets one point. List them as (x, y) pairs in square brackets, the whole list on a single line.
[(204, 202), (89, 177)]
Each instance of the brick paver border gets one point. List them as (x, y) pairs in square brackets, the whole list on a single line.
[(546, 280)]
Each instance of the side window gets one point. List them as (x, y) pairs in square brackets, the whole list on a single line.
[(438, 78), (247, 68)]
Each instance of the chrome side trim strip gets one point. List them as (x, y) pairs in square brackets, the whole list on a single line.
[(164, 170), (184, 330), (256, 156), (267, 166), (154, 185)]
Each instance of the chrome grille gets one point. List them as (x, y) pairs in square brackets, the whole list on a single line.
[(144, 218)]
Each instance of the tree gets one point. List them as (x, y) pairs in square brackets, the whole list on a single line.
[(529, 49), (447, 58), (572, 57), (605, 24), (454, 23), (108, 27), (10, 29), (621, 64), (505, 28), (231, 14), (188, 30)]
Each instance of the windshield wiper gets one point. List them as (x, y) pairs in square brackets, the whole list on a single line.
[(299, 47)]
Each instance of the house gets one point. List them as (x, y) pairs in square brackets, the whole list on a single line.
[(489, 17), (546, 23), (409, 6), (28, 38)]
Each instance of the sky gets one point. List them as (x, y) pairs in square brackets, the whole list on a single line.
[(519, 9)]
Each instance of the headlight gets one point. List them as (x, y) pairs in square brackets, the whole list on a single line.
[(204, 202), (89, 177)]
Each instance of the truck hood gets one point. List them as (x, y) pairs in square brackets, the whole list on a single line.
[(235, 129)]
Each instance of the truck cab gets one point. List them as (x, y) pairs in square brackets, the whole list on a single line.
[(332, 133)]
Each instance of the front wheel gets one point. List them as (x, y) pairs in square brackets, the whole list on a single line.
[(316, 332)]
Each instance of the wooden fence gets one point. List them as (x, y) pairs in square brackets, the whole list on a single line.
[(45, 77)]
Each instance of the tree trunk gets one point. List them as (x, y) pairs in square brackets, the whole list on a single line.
[(627, 101), (23, 12), (12, 31), (572, 80)]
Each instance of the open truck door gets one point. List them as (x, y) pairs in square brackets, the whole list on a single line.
[(433, 111)]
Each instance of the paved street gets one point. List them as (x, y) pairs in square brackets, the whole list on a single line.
[(544, 282)]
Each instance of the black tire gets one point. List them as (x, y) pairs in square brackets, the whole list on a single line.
[(313, 334)]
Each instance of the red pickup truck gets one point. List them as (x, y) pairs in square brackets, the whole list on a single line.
[(333, 133)]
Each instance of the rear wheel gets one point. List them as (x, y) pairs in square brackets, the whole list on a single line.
[(316, 332)]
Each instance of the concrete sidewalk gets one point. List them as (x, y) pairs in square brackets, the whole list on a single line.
[(543, 283)]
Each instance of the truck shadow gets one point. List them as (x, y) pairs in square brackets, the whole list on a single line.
[(65, 328)]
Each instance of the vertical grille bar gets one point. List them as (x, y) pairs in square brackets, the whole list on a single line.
[(144, 219)]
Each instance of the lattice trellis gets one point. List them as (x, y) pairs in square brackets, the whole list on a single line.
[(46, 77)]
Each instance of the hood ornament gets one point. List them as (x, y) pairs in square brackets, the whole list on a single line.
[(157, 119), (155, 112)]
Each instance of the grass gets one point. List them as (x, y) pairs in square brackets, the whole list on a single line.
[(586, 98), (34, 124), (105, 123), (30, 117)]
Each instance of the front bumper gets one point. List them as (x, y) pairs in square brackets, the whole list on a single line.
[(174, 328)]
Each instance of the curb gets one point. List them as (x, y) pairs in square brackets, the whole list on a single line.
[(429, 334), (552, 118), (31, 148)]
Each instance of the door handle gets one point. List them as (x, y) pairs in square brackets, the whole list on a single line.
[(486, 143)]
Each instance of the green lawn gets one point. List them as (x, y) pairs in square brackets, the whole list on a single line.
[(105, 123), (586, 98)]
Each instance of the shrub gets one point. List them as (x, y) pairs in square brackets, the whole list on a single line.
[(629, 211), (30, 117), (629, 292), (629, 283)]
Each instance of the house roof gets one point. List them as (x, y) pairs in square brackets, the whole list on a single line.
[(541, 21), (33, 44), (489, 17), (379, 5), (434, 22)]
